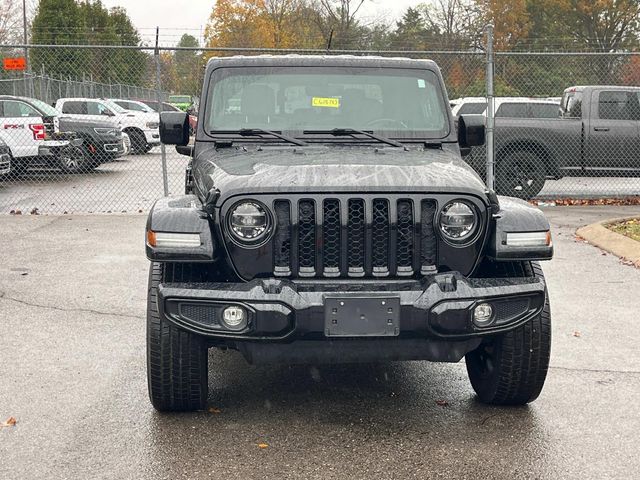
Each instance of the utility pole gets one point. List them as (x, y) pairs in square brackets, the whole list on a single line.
[(26, 50)]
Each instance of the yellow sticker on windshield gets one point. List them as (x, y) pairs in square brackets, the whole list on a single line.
[(325, 102)]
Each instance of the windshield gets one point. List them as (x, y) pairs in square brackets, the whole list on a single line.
[(114, 106), (45, 108), (397, 102), (179, 99)]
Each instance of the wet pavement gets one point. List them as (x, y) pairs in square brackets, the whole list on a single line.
[(72, 373)]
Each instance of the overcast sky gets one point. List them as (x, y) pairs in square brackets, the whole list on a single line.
[(175, 17)]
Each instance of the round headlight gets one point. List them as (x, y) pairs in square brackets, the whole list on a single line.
[(249, 222), (458, 221)]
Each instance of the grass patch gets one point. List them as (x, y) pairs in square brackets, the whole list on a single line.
[(628, 228)]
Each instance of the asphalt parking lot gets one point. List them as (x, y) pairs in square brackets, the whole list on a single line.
[(72, 373), (134, 182)]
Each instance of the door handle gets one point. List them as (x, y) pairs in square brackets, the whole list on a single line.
[(601, 129)]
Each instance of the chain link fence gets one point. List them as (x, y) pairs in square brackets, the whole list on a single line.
[(79, 128)]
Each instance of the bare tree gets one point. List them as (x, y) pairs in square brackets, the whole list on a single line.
[(10, 21), (457, 22), (337, 21)]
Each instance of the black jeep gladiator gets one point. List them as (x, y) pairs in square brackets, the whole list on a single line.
[(329, 217)]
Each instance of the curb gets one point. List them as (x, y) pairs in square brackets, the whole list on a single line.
[(600, 236)]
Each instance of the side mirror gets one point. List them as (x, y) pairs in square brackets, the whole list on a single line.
[(471, 131), (174, 128), (108, 113)]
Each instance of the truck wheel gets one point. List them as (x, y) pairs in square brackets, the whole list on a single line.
[(510, 369), (176, 360), (73, 160), (520, 174), (138, 142)]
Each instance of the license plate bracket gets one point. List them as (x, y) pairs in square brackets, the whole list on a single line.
[(362, 316)]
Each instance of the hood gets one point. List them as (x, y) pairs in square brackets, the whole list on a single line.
[(70, 124), (267, 169)]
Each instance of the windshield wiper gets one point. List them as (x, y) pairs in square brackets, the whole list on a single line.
[(343, 132), (258, 132)]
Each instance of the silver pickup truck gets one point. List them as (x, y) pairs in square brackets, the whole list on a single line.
[(597, 132)]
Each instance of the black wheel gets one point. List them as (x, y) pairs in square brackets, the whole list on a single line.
[(176, 360), (510, 369), (139, 143), (520, 174), (73, 160)]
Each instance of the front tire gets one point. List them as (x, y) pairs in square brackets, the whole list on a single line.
[(177, 364), (520, 174), (511, 369), (139, 145)]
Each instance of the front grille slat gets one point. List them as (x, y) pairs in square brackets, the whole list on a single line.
[(405, 243), (306, 238), (428, 241), (381, 232), (354, 237), (282, 239), (331, 238)]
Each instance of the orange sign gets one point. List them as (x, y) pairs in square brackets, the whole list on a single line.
[(18, 63)]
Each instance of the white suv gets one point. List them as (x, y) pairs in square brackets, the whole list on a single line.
[(141, 127)]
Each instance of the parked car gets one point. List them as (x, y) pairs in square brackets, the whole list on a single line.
[(23, 131), (509, 107), (141, 127), (167, 107), (344, 228), (5, 159), (597, 132), (102, 141)]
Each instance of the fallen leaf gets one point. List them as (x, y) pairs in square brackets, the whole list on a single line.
[(442, 403), (214, 410), (11, 422), (263, 445), (577, 334), (35, 211)]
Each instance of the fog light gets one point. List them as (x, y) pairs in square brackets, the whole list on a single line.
[(234, 318), (483, 315)]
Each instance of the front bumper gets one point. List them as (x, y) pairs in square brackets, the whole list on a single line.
[(437, 310), (152, 136)]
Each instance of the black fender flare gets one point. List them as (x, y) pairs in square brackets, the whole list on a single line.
[(182, 214), (518, 216)]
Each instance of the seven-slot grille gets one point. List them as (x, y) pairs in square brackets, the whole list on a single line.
[(354, 237)]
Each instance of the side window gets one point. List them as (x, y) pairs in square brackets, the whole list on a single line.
[(473, 108), (544, 110), (95, 108), (512, 110), (75, 108), (18, 109), (617, 105)]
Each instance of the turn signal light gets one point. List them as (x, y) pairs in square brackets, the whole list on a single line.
[(173, 240)]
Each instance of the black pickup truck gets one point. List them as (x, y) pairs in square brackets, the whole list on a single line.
[(329, 217), (597, 133)]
